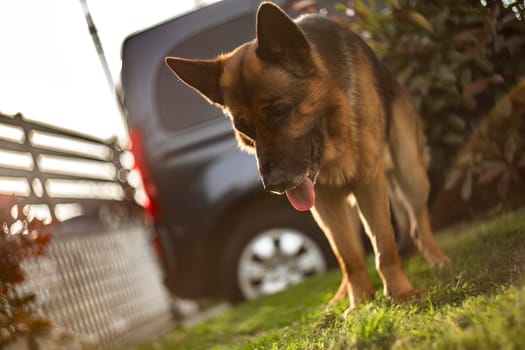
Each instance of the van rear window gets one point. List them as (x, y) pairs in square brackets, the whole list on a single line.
[(180, 107)]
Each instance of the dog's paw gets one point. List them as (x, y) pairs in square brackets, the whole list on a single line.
[(347, 312), (341, 294), (440, 261), (407, 295)]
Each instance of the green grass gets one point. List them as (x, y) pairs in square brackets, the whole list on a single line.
[(478, 302)]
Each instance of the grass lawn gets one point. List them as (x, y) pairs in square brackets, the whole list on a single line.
[(478, 302)]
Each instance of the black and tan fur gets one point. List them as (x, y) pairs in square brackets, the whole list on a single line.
[(312, 102)]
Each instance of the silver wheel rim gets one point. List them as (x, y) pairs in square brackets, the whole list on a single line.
[(276, 259)]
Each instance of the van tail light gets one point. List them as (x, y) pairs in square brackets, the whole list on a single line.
[(137, 148), (157, 246)]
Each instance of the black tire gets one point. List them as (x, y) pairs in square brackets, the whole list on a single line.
[(257, 219)]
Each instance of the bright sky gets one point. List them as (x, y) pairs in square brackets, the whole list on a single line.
[(49, 69)]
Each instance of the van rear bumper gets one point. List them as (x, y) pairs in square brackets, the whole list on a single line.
[(186, 265)]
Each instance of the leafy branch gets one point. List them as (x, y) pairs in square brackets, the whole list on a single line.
[(21, 237)]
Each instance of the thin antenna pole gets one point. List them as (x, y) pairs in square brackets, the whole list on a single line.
[(102, 57)]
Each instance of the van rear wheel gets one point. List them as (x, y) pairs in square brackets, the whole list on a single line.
[(269, 249)]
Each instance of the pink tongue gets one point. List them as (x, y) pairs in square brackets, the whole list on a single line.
[(302, 197)]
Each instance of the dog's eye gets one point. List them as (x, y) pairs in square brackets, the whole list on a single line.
[(242, 126), (276, 111)]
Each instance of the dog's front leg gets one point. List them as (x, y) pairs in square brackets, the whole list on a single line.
[(357, 243), (331, 211), (372, 199)]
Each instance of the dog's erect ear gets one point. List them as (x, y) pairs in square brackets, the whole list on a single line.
[(280, 40), (201, 75)]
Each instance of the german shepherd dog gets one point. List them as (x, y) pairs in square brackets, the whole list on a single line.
[(330, 126)]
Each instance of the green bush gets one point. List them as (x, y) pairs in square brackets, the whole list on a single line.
[(489, 171)]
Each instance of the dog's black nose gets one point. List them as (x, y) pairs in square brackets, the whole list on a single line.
[(275, 181)]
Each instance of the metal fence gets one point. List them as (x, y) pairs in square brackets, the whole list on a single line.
[(100, 277), (103, 283)]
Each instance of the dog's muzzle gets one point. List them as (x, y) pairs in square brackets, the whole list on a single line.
[(278, 180)]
